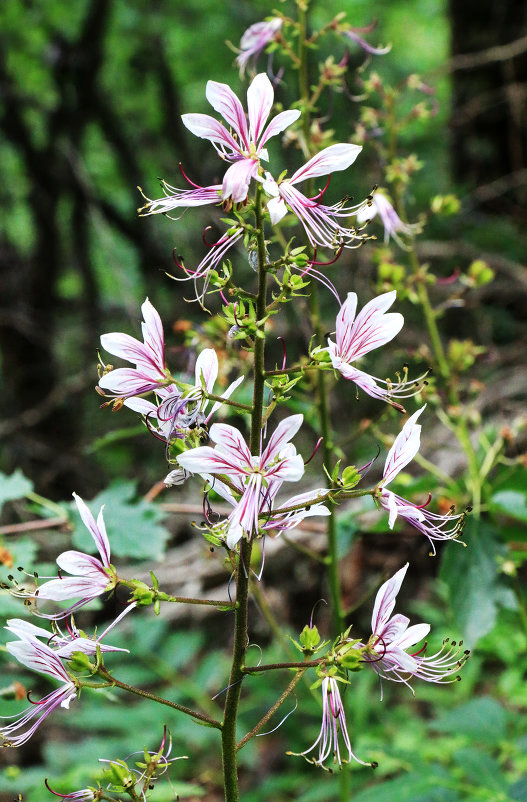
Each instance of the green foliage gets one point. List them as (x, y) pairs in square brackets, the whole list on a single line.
[(14, 486), (477, 589)]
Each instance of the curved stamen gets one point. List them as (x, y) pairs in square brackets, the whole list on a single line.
[(185, 176), (322, 191), (325, 264), (284, 351), (314, 451)]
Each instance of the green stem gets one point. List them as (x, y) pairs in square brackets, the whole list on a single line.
[(186, 600), (232, 699), (159, 699), (229, 402), (255, 730), (278, 666)]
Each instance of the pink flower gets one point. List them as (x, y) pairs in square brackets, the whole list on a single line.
[(178, 411), (38, 657), (150, 371), (321, 223), (333, 724), (270, 520), (255, 39), (255, 477), (393, 225), (89, 578), (358, 335), (64, 644), (244, 147), (431, 524), (387, 648)]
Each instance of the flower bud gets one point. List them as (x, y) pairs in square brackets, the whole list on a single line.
[(142, 594), (81, 663)]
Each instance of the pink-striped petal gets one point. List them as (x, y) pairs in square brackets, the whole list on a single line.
[(231, 443), (283, 433), (237, 179), (385, 600), (223, 100), (404, 449), (260, 98), (278, 124), (153, 334), (206, 127), (329, 160), (96, 530)]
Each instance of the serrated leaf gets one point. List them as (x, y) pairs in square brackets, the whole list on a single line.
[(133, 527), (14, 486), (472, 574)]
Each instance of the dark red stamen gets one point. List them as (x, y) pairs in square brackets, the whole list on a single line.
[(322, 191), (421, 506), (324, 264), (284, 359), (55, 793), (314, 451), (420, 650), (185, 176), (30, 700)]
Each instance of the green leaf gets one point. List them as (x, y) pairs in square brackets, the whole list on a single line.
[(482, 720), (133, 527), (510, 502), (480, 768), (419, 786), (472, 576), (14, 486)]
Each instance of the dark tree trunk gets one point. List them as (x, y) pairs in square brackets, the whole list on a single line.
[(490, 97)]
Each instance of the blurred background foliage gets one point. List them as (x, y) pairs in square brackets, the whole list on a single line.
[(90, 104)]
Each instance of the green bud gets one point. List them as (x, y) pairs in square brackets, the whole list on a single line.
[(301, 259), (81, 663), (350, 477), (309, 638), (445, 204), (141, 593), (480, 273), (119, 775)]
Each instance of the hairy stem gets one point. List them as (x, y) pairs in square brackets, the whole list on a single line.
[(229, 750), (255, 730)]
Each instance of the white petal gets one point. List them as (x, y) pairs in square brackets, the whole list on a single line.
[(206, 369), (404, 449), (223, 100), (329, 160), (260, 98), (283, 433), (385, 600)]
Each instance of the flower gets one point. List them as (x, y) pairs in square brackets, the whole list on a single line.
[(38, 657), (244, 147), (65, 644), (255, 40), (150, 371), (90, 576), (333, 721), (380, 205), (256, 478), (358, 335), (387, 647), (179, 411), (320, 222), (431, 524), (270, 520)]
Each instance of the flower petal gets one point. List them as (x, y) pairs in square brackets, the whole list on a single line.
[(385, 600), (278, 124), (153, 334), (283, 433), (223, 100), (96, 530), (231, 443), (260, 98), (237, 179), (206, 369), (206, 127), (331, 159), (404, 449)]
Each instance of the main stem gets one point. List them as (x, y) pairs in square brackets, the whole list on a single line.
[(232, 699)]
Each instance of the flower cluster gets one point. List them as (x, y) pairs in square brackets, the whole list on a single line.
[(243, 145), (254, 481), (178, 408)]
